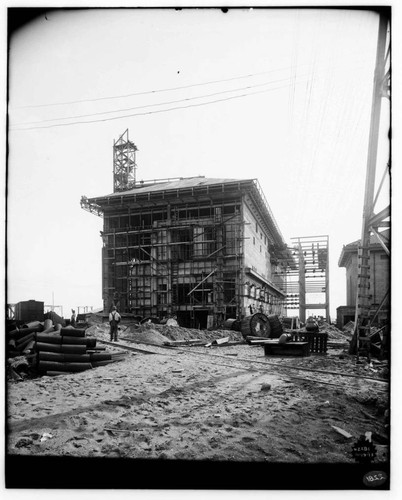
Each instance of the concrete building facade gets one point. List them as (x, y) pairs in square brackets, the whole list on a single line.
[(201, 249), (379, 281)]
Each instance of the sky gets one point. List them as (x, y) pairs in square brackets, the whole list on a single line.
[(282, 95)]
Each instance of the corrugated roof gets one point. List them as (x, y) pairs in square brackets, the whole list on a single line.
[(185, 182)]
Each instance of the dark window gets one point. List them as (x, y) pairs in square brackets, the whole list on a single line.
[(180, 291), (182, 249), (124, 221), (146, 220), (135, 220), (230, 239), (113, 222), (121, 271), (121, 255), (229, 287), (210, 240), (205, 212), (231, 209), (121, 240), (133, 240)]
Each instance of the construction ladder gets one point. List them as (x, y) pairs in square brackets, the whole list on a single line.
[(363, 302)]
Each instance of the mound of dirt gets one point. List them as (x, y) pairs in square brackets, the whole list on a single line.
[(145, 333), (98, 330), (95, 319), (158, 334), (334, 332), (180, 333)]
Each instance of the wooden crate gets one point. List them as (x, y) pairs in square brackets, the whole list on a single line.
[(289, 349), (318, 341)]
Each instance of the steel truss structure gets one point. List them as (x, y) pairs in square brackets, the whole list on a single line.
[(310, 278), (372, 222), (124, 165)]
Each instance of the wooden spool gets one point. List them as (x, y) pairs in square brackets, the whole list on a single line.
[(256, 325), (276, 326)]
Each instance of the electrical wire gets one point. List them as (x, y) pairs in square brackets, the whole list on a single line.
[(123, 96), (154, 112), (153, 105)]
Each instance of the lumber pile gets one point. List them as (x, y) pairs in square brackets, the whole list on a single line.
[(40, 348)]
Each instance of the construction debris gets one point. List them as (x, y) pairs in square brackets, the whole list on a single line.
[(344, 433), (223, 340)]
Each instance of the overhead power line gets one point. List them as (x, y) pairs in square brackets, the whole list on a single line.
[(154, 112), (153, 105), (146, 92), (155, 91)]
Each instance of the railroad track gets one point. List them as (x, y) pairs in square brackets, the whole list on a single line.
[(316, 376)]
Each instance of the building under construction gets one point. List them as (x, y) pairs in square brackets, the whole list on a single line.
[(201, 249)]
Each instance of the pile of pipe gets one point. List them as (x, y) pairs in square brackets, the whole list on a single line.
[(45, 348)]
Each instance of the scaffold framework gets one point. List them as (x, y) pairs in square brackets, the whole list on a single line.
[(309, 281)]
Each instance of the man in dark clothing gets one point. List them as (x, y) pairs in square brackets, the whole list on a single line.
[(72, 320), (114, 320)]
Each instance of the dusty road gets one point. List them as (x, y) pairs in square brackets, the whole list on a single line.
[(189, 404)]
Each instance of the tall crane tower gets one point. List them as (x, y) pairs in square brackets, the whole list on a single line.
[(124, 165), (371, 223)]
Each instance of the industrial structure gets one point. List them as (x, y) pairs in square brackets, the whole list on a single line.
[(307, 285), (372, 221), (201, 249), (379, 267)]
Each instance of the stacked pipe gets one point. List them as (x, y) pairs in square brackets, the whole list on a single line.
[(54, 350), (21, 354)]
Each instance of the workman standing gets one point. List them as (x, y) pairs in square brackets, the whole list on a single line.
[(114, 320), (72, 320)]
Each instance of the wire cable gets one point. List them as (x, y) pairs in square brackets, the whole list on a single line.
[(154, 112), (146, 92), (153, 105)]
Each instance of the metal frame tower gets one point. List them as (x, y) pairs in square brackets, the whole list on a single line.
[(372, 222), (124, 165), (311, 275)]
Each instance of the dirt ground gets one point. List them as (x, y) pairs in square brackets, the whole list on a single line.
[(219, 403)]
